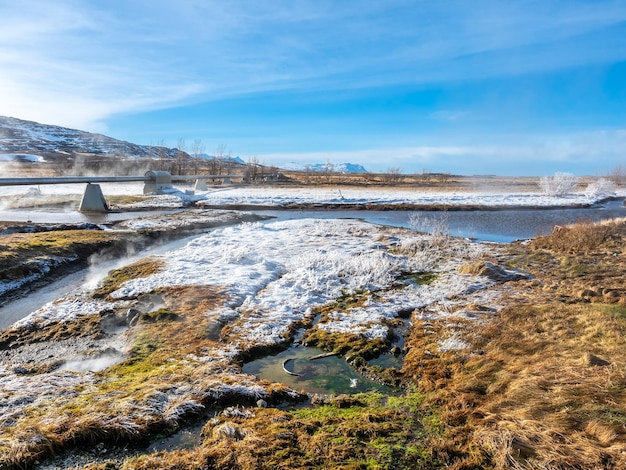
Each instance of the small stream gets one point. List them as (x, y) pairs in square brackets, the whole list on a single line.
[(84, 279)]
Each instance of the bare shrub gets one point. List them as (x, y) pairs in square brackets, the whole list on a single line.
[(600, 189), (618, 174), (560, 184), (436, 226), (393, 175)]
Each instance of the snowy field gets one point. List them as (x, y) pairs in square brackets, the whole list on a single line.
[(284, 196), (275, 273), (323, 195)]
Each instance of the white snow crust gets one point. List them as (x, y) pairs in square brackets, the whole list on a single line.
[(280, 196), (274, 274)]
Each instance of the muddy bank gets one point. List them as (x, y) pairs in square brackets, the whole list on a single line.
[(390, 207)]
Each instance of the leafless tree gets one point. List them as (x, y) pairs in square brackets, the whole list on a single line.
[(272, 172), (329, 170), (181, 156), (393, 175), (221, 150), (197, 149), (252, 170), (222, 160), (162, 155), (444, 177)]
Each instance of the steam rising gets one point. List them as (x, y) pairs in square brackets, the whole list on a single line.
[(93, 364)]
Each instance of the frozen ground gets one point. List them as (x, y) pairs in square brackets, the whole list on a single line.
[(249, 195), (275, 273)]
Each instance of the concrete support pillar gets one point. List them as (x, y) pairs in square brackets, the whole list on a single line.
[(201, 185), (159, 181), (93, 200), (226, 180)]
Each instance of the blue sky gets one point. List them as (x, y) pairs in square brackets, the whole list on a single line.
[(517, 87)]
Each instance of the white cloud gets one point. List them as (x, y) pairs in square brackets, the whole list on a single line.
[(588, 153), (77, 63)]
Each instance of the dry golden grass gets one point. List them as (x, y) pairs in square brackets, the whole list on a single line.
[(19, 246), (545, 385), (115, 278), (583, 237), (547, 394)]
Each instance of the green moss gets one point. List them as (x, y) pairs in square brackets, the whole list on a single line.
[(374, 431), (139, 358), (411, 402), (610, 415), (421, 278), (353, 347), (160, 315), (616, 311), (572, 268)]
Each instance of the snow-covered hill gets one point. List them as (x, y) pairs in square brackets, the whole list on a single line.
[(326, 167), (206, 156), (34, 141), (28, 141)]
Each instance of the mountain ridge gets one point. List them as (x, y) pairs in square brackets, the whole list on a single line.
[(30, 141), (18, 136)]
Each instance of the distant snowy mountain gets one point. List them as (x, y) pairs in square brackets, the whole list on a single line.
[(206, 156), (31, 141), (326, 167)]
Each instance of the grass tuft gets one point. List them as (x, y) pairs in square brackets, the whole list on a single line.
[(113, 281)]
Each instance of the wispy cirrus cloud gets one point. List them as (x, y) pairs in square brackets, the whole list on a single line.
[(77, 62)]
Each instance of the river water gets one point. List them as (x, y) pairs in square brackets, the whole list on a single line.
[(75, 217), (502, 226)]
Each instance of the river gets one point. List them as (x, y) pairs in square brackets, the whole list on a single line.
[(502, 226)]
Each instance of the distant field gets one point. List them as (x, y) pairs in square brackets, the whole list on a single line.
[(423, 181)]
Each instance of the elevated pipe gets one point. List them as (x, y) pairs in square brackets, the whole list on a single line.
[(93, 199), (150, 176), (71, 179)]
